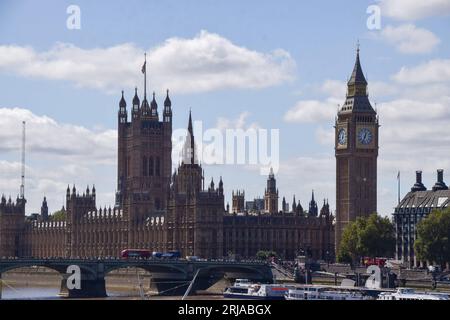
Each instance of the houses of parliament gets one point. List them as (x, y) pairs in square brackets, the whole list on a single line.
[(161, 210)]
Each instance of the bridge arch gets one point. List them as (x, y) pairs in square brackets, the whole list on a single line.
[(30, 265), (127, 281), (60, 268), (165, 278), (151, 268), (255, 272)]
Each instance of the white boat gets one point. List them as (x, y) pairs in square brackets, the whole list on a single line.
[(244, 283), (411, 294), (316, 292), (257, 292)]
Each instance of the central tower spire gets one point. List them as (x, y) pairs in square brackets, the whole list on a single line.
[(189, 155)]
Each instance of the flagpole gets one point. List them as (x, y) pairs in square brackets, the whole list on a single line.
[(145, 76), (398, 181)]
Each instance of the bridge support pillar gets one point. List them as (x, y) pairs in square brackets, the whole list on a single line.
[(90, 288)]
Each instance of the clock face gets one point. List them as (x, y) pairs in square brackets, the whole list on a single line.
[(365, 136), (342, 137)]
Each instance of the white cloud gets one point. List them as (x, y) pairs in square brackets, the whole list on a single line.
[(325, 136), (312, 111), (426, 92), (303, 174), (334, 88), (51, 178), (409, 39), (204, 63), (431, 72), (47, 137), (413, 136), (414, 112), (414, 9), (378, 89), (415, 130), (239, 123), (56, 154)]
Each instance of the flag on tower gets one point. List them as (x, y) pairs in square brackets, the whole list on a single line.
[(144, 67)]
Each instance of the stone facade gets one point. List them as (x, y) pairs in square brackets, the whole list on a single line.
[(12, 222), (271, 195), (238, 199), (161, 211), (286, 233)]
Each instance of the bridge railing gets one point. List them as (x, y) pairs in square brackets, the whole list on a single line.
[(129, 260)]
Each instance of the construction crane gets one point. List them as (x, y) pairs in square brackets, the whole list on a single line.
[(22, 186)]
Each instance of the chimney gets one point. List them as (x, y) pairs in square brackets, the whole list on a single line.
[(419, 177), (418, 186), (440, 184), (440, 176)]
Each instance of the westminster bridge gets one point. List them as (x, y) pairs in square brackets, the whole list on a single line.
[(169, 276)]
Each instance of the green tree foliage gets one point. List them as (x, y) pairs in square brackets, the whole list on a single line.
[(59, 215), (264, 255), (372, 237), (433, 237)]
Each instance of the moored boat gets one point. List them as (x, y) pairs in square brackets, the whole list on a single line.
[(317, 292), (411, 294), (257, 292)]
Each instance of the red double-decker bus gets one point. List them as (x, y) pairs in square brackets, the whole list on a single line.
[(135, 253), (374, 261)]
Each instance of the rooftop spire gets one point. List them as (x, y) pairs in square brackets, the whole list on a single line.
[(357, 99), (189, 156), (190, 124), (271, 174), (154, 107), (357, 76), (122, 103), (136, 101), (167, 102)]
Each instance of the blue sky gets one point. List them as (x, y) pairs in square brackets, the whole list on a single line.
[(318, 41)]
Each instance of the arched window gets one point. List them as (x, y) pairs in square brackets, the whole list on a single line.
[(144, 167), (158, 167), (157, 204), (150, 167)]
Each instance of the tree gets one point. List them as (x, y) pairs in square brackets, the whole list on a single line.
[(59, 215), (264, 255), (348, 249), (433, 237), (371, 236)]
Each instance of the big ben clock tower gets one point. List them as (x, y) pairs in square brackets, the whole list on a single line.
[(356, 149)]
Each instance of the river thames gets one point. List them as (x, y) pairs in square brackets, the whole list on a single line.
[(41, 293)]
